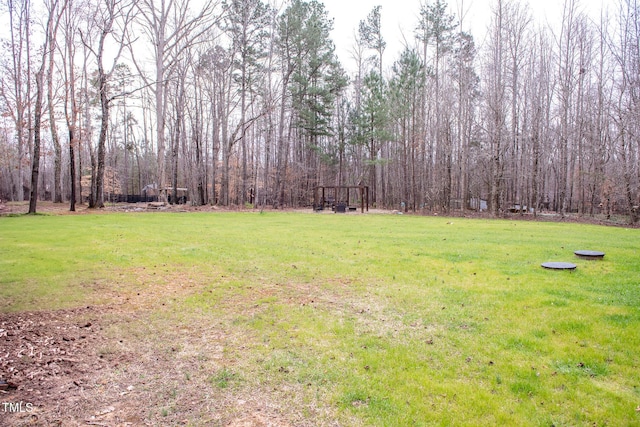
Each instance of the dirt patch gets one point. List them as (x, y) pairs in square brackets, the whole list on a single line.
[(112, 366), (138, 359), (50, 363)]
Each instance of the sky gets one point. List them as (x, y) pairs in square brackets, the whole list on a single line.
[(399, 18)]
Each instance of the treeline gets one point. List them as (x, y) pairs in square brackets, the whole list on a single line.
[(245, 103)]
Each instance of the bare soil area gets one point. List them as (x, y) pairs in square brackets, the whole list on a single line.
[(113, 366), (51, 369)]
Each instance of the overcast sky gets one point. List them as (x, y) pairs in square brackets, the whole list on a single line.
[(399, 19)]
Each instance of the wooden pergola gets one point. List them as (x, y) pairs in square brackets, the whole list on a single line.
[(338, 197)]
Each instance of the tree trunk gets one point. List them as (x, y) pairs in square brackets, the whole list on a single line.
[(71, 112), (35, 164), (102, 139), (57, 172)]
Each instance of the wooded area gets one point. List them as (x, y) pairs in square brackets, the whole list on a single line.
[(244, 103)]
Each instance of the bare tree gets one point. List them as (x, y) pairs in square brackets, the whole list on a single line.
[(627, 111), (599, 135), (110, 20), (495, 115), (566, 78), (55, 10), (35, 163), (466, 85), (198, 129), (436, 32), (517, 22), (538, 89), (37, 117), (70, 101), (16, 91), (171, 29)]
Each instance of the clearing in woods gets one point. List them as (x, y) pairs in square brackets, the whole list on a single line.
[(290, 319)]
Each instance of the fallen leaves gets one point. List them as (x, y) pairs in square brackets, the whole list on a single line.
[(48, 358)]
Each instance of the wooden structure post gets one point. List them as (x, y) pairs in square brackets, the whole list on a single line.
[(320, 200)]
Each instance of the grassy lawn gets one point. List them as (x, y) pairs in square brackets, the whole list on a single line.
[(380, 320)]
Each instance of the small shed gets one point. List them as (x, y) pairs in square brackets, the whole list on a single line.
[(341, 198)]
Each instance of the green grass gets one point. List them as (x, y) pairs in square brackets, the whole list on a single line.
[(385, 320)]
